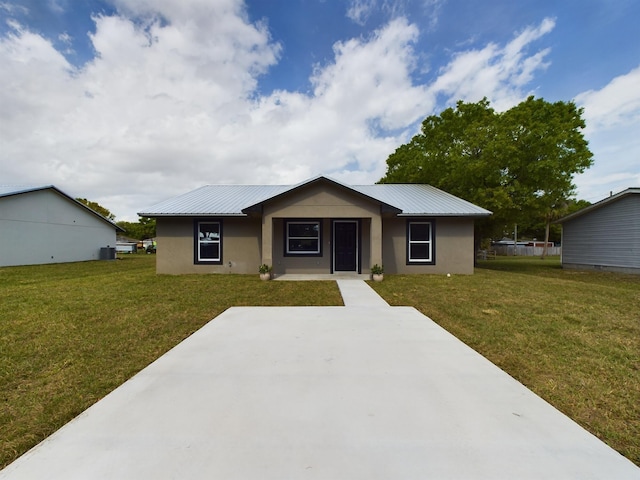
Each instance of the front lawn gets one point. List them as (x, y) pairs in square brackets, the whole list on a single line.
[(71, 333), (573, 337)]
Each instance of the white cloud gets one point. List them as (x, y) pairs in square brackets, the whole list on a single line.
[(612, 116), (13, 9), (498, 73), (615, 104), (55, 5), (170, 103), (360, 10), (65, 38), (432, 9)]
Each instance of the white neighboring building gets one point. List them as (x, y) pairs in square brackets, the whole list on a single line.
[(42, 224)]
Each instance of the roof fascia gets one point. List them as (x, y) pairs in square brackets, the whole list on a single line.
[(191, 215), (452, 215), (28, 190)]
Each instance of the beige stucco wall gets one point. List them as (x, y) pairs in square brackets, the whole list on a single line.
[(240, 246), (454, 247)]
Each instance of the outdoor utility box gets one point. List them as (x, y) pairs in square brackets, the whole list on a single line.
[(107, 253)]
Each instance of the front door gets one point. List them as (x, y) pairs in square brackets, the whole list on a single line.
[(345, 245)]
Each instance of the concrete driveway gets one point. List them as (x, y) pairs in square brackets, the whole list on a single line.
[(365, 391)]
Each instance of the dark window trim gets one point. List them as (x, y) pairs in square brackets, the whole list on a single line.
[(286, 223), (432, 223), (196, 241)]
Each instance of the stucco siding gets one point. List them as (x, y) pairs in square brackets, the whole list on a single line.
[(240, 246), (44, 227), (453, 247), (321, 202), (605, 238)]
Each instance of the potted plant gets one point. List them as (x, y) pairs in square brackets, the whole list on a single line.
[(377, 273), (265, 271)]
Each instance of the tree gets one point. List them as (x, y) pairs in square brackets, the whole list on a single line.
[(96, 207), (143, 229), (519, 164), (546, 144), (538, 229)]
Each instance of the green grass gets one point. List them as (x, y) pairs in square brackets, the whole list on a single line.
[(71, 333), (572, 337)]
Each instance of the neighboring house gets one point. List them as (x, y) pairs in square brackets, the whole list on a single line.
[(317, 226), (126, 244), (41, 224), (605, 235)]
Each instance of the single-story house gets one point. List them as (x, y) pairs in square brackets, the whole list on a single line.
[(604, 235), (320, 226), (42, 224)]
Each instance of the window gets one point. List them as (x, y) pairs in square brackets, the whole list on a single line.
[(303, 237), (208, 242), (420, 242)]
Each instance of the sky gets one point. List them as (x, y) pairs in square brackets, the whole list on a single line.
[(129, 102)]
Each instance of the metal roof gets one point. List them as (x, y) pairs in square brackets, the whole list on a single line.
[(220, 200), (601, 203), (233, 200), (422, 200)]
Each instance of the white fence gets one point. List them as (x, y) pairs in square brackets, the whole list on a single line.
[(523, 251)]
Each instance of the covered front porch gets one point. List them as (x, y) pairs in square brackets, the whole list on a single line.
[(296, 247)]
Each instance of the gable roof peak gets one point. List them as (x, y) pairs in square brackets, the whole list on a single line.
[(613, 197), (11, 190)]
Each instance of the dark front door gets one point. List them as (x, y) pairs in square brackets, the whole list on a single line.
[(345, 246)]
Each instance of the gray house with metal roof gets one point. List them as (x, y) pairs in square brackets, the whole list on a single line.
[(320, 226), (42, 224), (605, 235)]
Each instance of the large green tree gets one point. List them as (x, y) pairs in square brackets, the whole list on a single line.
[(96, 207), (143, 229), (519, 164)]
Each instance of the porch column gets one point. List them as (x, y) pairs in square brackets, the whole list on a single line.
[(267, 240), (376, 241)]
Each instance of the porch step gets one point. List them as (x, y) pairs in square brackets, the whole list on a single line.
[(322, 276)]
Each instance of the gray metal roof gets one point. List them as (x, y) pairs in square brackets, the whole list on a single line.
[(233, 200), (422, 200), (219, 200)]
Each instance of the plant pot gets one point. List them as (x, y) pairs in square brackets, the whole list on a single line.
[(377, 277), (265, 276)]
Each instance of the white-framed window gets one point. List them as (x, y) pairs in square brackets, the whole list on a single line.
[(420, 242), (303, 237), (208, 242)]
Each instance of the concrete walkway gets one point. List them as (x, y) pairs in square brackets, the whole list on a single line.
[(356, 293), (354, 392)]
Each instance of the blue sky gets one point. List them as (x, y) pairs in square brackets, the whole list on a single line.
[(127, 102)]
